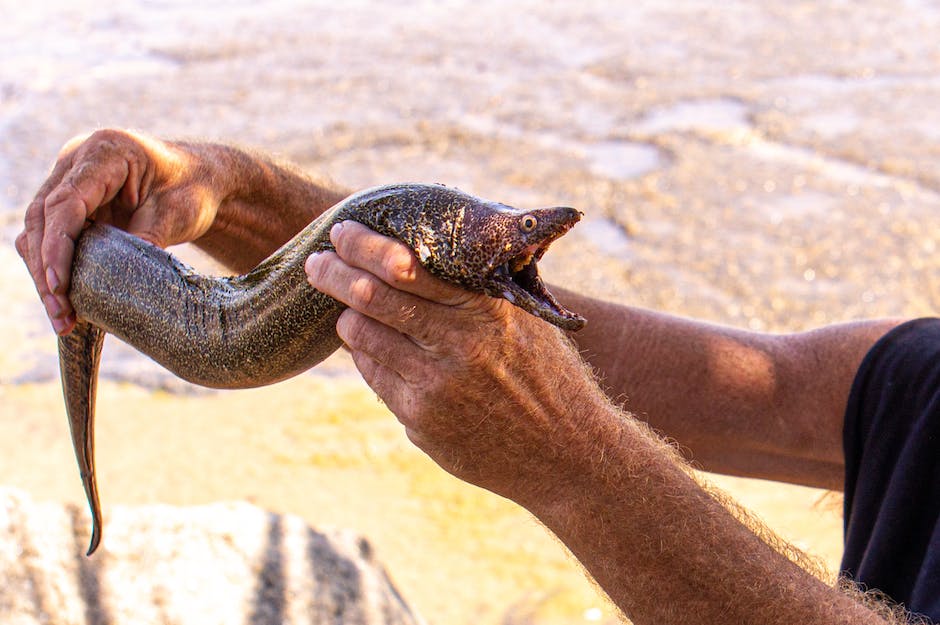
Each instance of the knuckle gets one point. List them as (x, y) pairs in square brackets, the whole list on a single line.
[(106, 137), (61, 193), (64, 203), (84, 170), (488, 311), (92, 142), (399, 266), (478, 354), (485, 345), (134, 160), (34, 214), (90, 151), (363, 292), (73, 144)]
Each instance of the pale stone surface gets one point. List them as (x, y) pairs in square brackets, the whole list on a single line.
[(220, 563)]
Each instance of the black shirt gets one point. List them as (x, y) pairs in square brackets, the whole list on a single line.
[(892, 469)]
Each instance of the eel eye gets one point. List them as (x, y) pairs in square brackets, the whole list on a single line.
[(528, 223)]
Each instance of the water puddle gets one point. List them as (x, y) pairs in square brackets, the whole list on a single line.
[(832, 124), (799, 207), (718, 114), (607, 236), (622, 160)]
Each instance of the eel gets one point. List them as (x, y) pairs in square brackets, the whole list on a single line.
[(270, 324)]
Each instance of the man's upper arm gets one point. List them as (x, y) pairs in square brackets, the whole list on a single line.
[(821, 367)]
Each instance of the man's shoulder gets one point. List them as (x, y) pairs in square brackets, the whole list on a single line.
[(905, 360)]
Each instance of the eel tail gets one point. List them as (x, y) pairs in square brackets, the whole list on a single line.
[(79, 355)]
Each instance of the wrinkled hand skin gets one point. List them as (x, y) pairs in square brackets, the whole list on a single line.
[(473, 379), (140, 184)]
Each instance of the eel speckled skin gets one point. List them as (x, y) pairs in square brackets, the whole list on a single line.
[(270, 324)]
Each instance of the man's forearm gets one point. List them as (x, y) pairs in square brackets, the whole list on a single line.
[(262, 204), (664, 549), (743, 403), (458, 373)]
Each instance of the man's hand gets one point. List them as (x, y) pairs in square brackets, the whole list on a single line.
[(501, 399), (150, 188), (478, 384)]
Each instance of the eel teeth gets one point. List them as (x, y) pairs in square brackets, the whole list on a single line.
[(519, 263)]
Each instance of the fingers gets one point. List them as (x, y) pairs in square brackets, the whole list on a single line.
[(382, 344), (393, 262), (29, 246), (381, 278), (87, 186), (86, 176), (414, 316), (388, 362)]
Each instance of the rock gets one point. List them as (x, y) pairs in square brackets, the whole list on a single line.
[(221, 563)]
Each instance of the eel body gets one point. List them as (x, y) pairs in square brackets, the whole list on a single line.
[(270, 324)]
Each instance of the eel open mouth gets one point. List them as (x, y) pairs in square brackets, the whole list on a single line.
[(522, 270), (517, 280)]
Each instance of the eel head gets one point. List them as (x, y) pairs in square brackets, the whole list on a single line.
[(500, 247)]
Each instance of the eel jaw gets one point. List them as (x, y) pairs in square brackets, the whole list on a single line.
[(517, 280)]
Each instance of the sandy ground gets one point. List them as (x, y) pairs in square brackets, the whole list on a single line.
[(328, 451), (770, 167)]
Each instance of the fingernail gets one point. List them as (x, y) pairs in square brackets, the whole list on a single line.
[(336, 229), (53, 307), (60, 325), (52, 279), (313, 258)]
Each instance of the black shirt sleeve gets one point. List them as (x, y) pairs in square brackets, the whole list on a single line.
[(892, 469)]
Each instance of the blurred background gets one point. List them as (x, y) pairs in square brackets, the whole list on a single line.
[(769, 166)]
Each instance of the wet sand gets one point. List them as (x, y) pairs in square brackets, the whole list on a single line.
[(772, 167)]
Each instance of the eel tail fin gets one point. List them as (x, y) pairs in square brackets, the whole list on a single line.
[(79, 356)]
